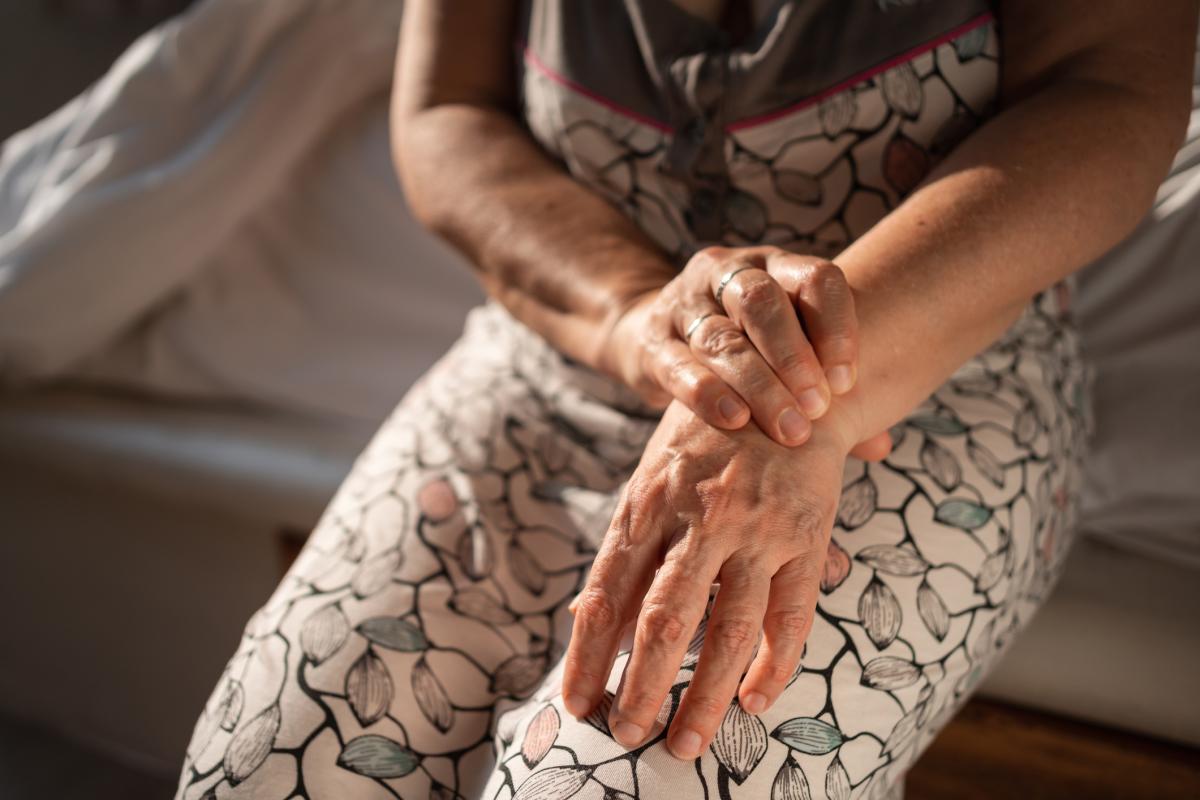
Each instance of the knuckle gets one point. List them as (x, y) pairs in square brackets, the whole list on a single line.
[(663, 625), (721, 341), (636, 703), (598, 611), (707, 706), (790, 623), (734, 634), (830, 283), (800, 364), (759, 291), (808, 517), (778, 672)]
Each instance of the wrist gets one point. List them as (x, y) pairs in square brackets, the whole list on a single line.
[(842, 424), (615, 341)]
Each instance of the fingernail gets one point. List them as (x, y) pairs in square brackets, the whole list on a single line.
[(628, 734), (841, 378), (754, 703), (730, 409), (576, 704), (686, 745), (793, 425), (813, 402)]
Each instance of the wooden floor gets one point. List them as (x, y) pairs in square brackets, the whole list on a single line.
[(993, 751), (989, 752)]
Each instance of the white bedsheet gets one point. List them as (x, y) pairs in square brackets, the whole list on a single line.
[(218, 217)]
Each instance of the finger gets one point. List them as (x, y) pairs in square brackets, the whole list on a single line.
[(719, 344), (670, 614), (619, 578), (729, 642), (826, 304), (786, 626), (761, 307), (696, 386), (877, 448)]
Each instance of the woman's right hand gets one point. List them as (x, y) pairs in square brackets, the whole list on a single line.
[(741, 333)]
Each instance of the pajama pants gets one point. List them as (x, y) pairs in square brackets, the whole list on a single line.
[(414, 648)]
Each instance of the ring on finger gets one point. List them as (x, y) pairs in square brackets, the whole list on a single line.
[(695, 324), (726, 278)]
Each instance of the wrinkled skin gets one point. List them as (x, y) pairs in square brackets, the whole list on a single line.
[(704, 506), (780, 344)]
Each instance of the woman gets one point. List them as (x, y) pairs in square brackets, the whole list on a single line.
[(652, 192)]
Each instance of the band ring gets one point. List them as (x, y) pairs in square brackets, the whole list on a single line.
[(726, 278), (695, 324)]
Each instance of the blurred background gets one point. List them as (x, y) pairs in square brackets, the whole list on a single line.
[(211, 292)]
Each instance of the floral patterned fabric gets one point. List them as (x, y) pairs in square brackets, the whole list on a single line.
[(413, 650)]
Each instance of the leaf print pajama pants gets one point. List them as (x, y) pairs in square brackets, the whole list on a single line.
[(413, 650)]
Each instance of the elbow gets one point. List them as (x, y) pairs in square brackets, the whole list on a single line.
[(410, 152)]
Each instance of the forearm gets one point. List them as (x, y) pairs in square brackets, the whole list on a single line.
[(1038, 192), (560, 257)]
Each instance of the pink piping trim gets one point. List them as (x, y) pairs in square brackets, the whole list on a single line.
[(532, 60), (949, 35)]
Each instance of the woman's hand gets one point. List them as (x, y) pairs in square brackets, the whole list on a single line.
[(741, 333), (704, 506)]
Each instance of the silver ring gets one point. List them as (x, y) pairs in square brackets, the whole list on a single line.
[(726, 278), (695, 324)]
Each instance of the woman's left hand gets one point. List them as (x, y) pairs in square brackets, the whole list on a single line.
[(707, 505)]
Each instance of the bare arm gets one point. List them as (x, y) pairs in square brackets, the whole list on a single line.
[(561, 258), (1096, 100)]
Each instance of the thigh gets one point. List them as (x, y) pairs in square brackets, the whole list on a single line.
[(433, 587), (940, 555)]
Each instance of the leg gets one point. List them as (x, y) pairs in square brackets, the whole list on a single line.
[(433, 587), (941, 554)]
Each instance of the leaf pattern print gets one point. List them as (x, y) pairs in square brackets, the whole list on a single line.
[(941, 464), (377, 757), (480, 605), (962, 513), (229, 709), (790, 782), (939, 424), (540, 735), (880, 613), (836, 567), (905, 164), (809, 735), (394, 633), (992, 570), (932, 610), (902, 89), (986, 462), (369, 688), (324, 633), (892, 560), (556, 783), (431, 696), (252, 744), (519, 675), (858, 503), (837, 113), (837, 782), (740, 743), (889, 673), (437, 500), (525, 569), (475, 553), (376, 573)]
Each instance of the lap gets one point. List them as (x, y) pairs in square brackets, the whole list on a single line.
[(413, 647)]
